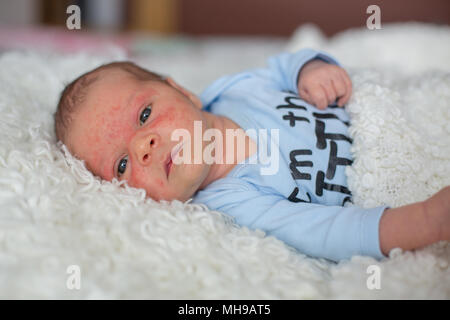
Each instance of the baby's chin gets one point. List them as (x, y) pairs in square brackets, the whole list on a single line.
[(170, 196), (180, 192), (182, 186)]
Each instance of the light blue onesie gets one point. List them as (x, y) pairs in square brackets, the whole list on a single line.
[(299, 198)]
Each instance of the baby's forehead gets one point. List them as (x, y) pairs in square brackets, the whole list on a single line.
[(110, 83)]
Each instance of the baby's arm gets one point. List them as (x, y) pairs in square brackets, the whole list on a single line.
[(416, 225), (321, 84)]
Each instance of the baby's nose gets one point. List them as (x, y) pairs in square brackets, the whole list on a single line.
[(145, 147)]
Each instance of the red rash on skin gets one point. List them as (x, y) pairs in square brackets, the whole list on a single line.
[(170, 116), (142, 98), (108, 128), (166, 118), (115, 130)]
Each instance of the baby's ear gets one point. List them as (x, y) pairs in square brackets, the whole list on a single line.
[(191, 96)]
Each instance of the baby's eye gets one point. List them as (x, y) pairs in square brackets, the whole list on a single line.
[(122, 166), (145, 114)]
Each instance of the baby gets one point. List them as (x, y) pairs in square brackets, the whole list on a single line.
[(128, 123)]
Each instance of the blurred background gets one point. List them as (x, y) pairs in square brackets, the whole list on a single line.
[(210, 36), (219, 17)]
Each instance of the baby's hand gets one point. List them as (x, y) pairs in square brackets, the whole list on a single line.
[(321, 84), (437, 209)]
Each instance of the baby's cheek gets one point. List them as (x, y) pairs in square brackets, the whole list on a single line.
[(159, 183), (137, 177), (142, 178)]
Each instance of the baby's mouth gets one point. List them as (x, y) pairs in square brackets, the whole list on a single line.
[(168, 165), (173, 154)]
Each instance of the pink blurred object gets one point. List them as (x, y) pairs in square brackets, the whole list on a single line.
[(62, 40)]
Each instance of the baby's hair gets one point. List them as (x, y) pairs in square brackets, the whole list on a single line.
[(75, 92)]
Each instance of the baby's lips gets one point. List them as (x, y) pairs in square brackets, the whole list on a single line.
[(171, 156), (167, 164)]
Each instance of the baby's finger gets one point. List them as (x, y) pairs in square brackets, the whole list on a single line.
[(329, 92), (348, 86), (319, 97), (340, 89), (304, 94)]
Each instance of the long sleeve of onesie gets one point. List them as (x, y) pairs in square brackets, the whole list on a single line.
[(331, 232)]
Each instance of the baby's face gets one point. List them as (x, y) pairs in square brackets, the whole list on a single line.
[(123, 129)]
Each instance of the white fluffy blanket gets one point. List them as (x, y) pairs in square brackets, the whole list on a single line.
[(54, 214)]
